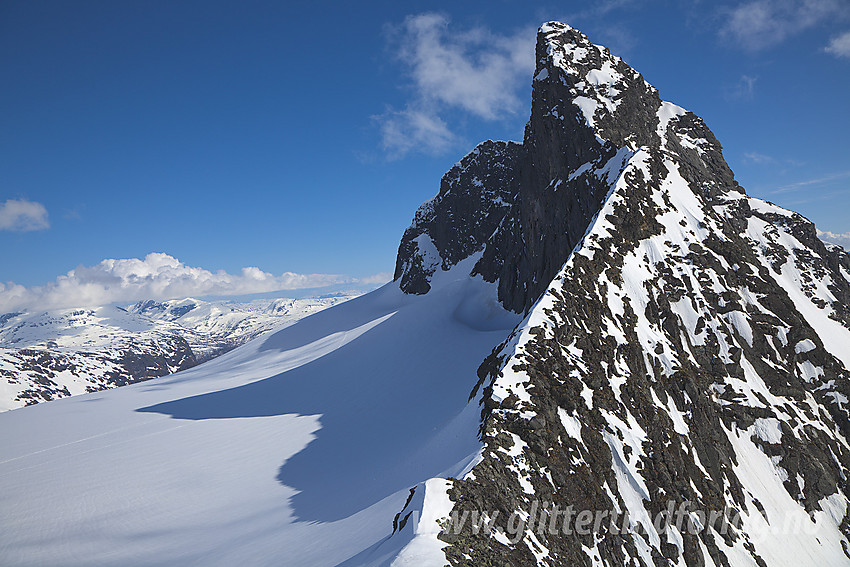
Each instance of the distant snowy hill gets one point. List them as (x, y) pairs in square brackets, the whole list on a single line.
[(217, 326), (842, 240), (598, 350), (49, 355)]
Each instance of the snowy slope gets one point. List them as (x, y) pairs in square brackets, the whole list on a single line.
[(295, 449), (48, 355), (598, 319)]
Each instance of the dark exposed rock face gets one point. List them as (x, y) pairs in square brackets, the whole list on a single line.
[(544, 206), (685, 344), (475, 196)]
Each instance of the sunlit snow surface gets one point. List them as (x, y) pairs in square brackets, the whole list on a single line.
[(52, 354), (296, 449)]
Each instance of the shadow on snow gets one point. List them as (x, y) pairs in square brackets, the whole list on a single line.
[(384, 399)]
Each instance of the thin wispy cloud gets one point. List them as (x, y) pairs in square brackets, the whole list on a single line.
[(810, 182), (840, 46), (836, 196), (758, 158), (744, 89), (412, 129), (759, 24), (157, 276), (594, 12), (473, 71), (598, 9), (20, 215)]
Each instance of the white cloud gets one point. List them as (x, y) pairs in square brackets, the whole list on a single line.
[(474, 71), (158, 276), (841, 238), (594, 11), (21, 215), (817, 181), (840, 46), (744, 89), (759, 24), (408, 130), (756, 157), (379, 278), (603, 8)]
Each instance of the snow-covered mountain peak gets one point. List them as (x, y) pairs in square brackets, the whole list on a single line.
[(526, 206), (657, 365), (574, 74)]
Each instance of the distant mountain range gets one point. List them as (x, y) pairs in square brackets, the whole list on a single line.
[(53, 354)]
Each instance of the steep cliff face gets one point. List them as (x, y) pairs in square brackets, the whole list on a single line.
[(685, 348), (525, 206), (473, 204)]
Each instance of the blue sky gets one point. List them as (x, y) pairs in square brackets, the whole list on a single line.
[(199, 137)]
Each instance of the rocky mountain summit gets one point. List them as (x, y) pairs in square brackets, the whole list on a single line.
[(685, 347)]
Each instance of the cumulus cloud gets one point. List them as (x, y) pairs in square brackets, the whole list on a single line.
[(22, 216), (473, 71), (158, 276), (840, 238), (840, 46), (759, 24)]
